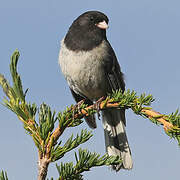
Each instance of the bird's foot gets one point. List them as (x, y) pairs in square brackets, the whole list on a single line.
[(77, 108), (79, 105), (97, 106)]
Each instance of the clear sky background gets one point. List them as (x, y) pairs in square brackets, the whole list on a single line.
[(145, 35)]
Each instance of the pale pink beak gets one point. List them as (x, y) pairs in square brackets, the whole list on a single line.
[(102, 25)]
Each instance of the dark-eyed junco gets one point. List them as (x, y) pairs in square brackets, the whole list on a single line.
[(91, 69)]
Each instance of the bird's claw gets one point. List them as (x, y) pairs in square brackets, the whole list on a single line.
[(77, 107), (97, 104)]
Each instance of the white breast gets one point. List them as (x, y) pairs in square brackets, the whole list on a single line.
[(84, 70)]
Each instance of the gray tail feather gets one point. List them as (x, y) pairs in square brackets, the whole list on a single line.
[(115, 138), (91, 121)]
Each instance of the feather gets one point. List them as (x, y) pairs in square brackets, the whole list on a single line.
[(115, 138)]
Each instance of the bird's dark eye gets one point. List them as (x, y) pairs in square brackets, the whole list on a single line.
[(91, 18)]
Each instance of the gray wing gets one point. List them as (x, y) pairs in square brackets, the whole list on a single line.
[(113, 71), (114, 120), (114, 76)]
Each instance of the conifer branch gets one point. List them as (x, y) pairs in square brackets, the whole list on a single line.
[(140, 106)]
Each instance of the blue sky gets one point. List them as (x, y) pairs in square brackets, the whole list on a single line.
[(145, 35)]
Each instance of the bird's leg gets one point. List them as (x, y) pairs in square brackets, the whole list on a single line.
[(97, 104)]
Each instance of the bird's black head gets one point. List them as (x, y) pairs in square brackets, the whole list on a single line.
[(87, 31)]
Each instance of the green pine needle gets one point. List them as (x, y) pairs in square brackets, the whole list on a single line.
[(46, 121), (85, 160), (3, 175), (59, 151)]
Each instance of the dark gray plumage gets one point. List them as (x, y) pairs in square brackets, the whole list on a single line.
[(91, 69)]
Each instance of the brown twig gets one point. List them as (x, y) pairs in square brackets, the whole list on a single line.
[(151, 113), (43, 164)]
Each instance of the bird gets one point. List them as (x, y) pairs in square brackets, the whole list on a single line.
[(91, 69)]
